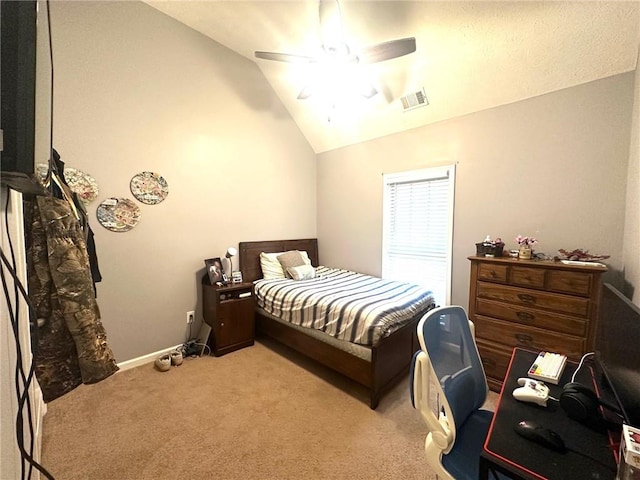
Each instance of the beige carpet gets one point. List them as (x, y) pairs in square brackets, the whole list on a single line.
[(261, 412)]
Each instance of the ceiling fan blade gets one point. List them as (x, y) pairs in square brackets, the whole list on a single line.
[(330, 22), (387, 50), (284, 57)]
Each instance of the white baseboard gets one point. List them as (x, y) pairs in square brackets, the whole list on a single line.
[(144, 359), (40, 412)]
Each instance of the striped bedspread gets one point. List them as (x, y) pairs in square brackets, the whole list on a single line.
[(347, 305)]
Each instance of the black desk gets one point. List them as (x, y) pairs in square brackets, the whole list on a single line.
[(506, 451)]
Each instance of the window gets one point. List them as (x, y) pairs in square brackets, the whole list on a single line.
[(417, 233)]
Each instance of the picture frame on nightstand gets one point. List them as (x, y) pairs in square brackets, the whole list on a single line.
[(214, 270)]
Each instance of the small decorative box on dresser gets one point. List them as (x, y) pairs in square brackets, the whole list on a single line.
[(535, 304), (229, 310)]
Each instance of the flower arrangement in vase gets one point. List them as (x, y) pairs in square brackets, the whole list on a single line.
[(526, 243)]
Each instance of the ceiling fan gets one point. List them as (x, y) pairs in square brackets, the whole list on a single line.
[(335, 53)]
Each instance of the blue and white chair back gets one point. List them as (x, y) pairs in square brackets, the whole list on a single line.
[(448, 386)]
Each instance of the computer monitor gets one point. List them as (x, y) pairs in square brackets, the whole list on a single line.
[(618, 350)]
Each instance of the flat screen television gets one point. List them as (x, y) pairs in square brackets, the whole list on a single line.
[(18, 59), (618, 350)]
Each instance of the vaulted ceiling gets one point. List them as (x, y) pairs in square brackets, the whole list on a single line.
[(469, 55)]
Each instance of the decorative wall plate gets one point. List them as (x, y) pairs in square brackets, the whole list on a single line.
[(83, 184), (149, 187), (41, 171), (118, 214)]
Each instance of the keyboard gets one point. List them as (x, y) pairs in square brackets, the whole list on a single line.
[(548, 367)]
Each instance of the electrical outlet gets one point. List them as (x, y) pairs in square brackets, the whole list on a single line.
[(190, 316)]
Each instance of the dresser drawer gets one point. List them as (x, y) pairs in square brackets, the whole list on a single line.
[(495, 361), (516, 335), (570, 282), (527, 277), (493, 273), (532, 317), (532, 298)]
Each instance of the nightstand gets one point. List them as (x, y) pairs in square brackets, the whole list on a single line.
[(229, 310)]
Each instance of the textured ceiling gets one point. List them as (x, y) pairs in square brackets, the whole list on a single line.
[(470, 56)]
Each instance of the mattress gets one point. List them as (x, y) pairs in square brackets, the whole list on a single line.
[(349, 306)]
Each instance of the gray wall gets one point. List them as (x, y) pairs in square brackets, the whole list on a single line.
[(136, 90), (553, 166)]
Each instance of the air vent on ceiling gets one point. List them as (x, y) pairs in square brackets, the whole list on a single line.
[(414, 100)]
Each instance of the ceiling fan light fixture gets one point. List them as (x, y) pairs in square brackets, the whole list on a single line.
[(337, 83), (339, 51), (335, 61), (368, 91)]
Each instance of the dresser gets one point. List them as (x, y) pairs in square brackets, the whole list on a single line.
[(534, 304)]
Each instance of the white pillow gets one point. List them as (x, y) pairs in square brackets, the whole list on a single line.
[(271, 267), (303, 272)]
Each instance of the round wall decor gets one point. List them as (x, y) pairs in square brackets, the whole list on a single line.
[(118, 214), (41, 171), (149, 187), (83, 184)]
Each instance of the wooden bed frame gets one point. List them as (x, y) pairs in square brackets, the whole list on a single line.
[(390, 358)]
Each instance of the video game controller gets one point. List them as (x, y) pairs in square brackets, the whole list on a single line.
[(522, 381), (533, 391)]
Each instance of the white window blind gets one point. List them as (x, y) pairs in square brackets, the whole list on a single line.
[(418, 229)]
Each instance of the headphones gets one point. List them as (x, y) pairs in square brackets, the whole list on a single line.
[(581, 403)]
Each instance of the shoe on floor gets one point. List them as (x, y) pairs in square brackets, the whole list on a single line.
[(176, 358), (163, 362)]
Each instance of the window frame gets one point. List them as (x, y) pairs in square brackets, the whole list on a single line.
[(419, 175)]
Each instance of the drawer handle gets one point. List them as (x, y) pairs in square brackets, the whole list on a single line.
[(494, 274), (523, 338), (526, 298), (525, 316)]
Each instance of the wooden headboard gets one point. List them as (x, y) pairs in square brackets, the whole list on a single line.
[(250, 254)]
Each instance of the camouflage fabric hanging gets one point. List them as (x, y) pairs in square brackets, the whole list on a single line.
[(55, 355), (62, 289)]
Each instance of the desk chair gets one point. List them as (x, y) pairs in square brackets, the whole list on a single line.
[(448, 386)]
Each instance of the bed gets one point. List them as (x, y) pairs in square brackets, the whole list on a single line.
[(378, 366)]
